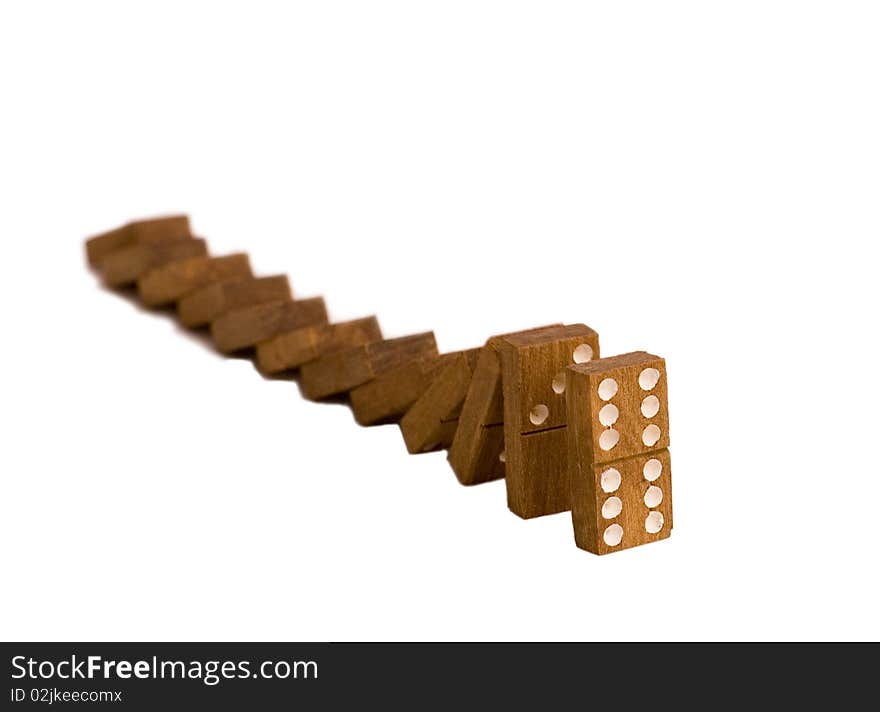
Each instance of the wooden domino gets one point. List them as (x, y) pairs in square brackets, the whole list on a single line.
[(291, 349), (201, 307), (338, 373), (171, 282), (618, 458), (245, 328), (127, 265), (533, 372), (386, 398), (431, 422), (475, 454), (140, 232)]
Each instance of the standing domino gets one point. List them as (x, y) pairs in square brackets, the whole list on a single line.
[(618, 457)]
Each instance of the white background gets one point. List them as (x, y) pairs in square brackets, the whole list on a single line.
[(695, 179)]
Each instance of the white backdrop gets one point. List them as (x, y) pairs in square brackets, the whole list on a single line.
[(696, 179)]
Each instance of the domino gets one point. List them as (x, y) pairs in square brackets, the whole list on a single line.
[(140, 232), (127, 265), (387, 398), (245, 328), (533, 377), (475, 454), (339, 373), (431, 422), (618, 458), (167, 284), (291, 349), (201, 307)]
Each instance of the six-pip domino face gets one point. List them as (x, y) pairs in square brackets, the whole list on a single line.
[(621, 504), (626, 398), (618, 461)]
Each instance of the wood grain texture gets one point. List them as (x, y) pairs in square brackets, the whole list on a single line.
[(533, 377), (201, 307), (630, 423), (171, 282), (139, 232), (476, 447), (588, 500), (539, 466), (127, 265), (530, 362), (339, 373), (431, 422), (443, 439), (291, 349), (479, 437), (387, 398), (588, 461), (245, 328)]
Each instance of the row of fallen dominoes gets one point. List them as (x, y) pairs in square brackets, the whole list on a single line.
[(566, 429)]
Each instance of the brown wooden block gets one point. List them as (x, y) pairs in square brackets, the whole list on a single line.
[(339, 373), (175, 280), (618, 457), (291, 349), (140, 232), (479, 437), (431, 422), (204, 305), (245, 328), (443, 439), (477, 445), (543, 454), (386, 398), (533, 374), (624, 397), (128, 264), (620, 504), (490, 463)]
